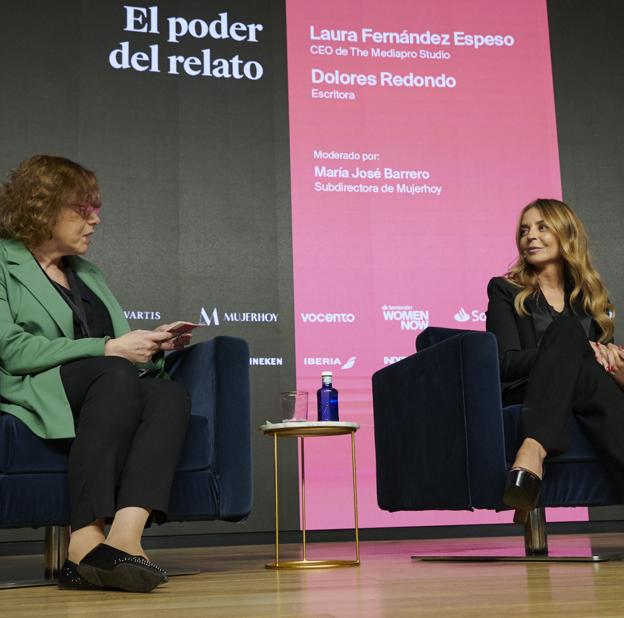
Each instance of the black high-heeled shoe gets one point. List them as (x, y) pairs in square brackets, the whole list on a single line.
[(522, 489)]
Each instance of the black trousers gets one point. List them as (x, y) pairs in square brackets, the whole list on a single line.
[(129, 433), (564, 380)]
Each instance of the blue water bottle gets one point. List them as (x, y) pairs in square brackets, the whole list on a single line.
[(327, 399)]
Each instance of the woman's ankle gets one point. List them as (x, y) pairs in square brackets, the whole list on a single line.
[(130, 546), (82, 541), (530, 456)]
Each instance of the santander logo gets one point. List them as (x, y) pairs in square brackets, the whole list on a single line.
[(462, 315), (476, 315)]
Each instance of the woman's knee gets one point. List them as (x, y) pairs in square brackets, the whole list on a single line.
[(179, 397), (116, 389), (170, 397), (591, 374)]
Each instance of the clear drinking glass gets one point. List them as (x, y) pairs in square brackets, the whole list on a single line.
[(294, 406)]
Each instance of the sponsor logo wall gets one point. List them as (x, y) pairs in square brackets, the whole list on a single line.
[(409, 159), (418, 131)]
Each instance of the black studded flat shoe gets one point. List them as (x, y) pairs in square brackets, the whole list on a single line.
[(70, 579), (106, 566), (522, 489)]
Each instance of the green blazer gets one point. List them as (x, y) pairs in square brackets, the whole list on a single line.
[(37, 336)]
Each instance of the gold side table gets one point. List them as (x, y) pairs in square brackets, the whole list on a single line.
[(304, 430)]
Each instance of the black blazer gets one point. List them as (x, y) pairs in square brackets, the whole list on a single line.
[(518, 336)]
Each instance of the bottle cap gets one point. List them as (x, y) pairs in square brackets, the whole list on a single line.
[(326, 373)]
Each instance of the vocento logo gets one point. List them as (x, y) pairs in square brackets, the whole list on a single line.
[(474, 316), (212, 318), (329, 361), (328, 318), (409, 318)]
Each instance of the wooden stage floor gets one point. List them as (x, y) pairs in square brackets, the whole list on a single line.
[(234, 583)]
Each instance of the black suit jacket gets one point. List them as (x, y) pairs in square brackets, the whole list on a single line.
[(518, 336)]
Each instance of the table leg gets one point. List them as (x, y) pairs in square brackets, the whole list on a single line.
[(303, 500), (276, 483), (305, 563), (355, 509)]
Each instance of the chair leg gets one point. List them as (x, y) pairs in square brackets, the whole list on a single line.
[(55, 551), (29, 575), (535, 548)]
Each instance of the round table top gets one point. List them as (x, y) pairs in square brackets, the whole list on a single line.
[(305, 429)]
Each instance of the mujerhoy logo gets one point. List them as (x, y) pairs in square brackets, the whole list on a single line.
[(212, 318)]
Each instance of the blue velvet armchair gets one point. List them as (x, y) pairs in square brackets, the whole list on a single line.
[(213, 479), (444, 441)]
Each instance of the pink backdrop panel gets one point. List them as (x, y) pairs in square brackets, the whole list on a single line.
[(413, 148)]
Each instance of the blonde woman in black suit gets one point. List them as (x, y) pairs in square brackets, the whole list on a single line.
[(554, 323)]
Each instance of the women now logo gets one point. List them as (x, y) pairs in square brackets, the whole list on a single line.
[(410, 318)]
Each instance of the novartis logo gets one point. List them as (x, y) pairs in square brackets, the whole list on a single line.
[(328, 318), (213, 318), (329, 361), (141, 315), (474, 316)]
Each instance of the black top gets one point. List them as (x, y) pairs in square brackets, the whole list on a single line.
[(558, 314), (82, 300), (518, 336)]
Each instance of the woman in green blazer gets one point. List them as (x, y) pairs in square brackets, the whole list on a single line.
[(70, 367)]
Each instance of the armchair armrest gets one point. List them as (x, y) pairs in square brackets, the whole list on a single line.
[(438, 426), (216, 376), (434, 334)]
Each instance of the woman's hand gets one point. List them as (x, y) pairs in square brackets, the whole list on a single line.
[(611, 357), (138, 346), (177, 342), (617, 370), (162, 328)]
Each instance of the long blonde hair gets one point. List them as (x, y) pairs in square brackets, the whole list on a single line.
[(578, 270)]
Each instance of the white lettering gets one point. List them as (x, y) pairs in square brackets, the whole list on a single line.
[(276, 362), (220, 68), (136, 19), (389, 360), (121, 58), (333, 35), (218, 29), (329, 318), (213, 318), (322, 361)]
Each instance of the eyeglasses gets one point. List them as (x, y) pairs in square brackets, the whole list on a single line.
[(86, 210)]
